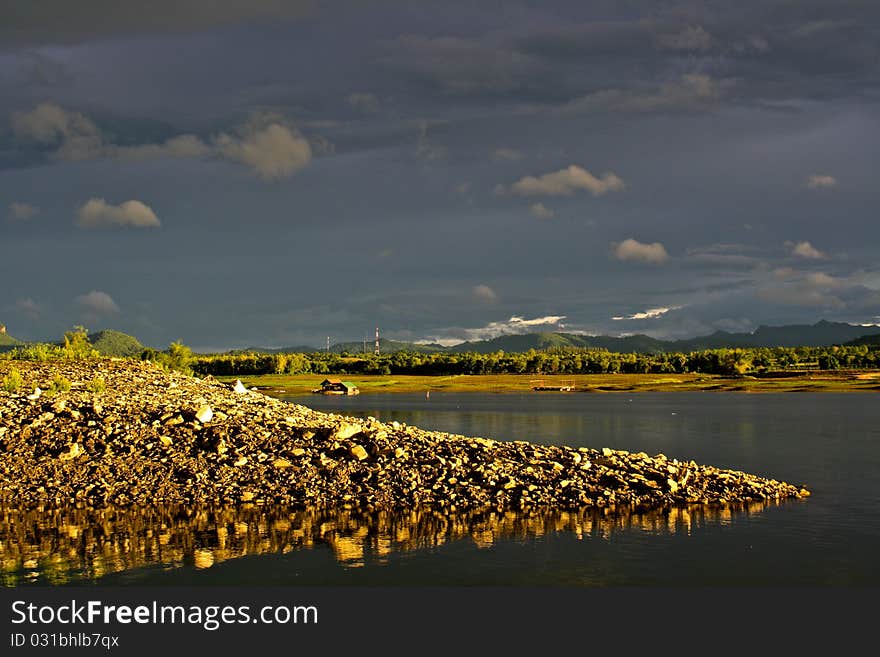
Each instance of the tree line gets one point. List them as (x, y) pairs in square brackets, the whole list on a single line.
[(556, 360), (562, 360)]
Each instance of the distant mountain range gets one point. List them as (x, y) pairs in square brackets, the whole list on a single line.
[(820, 334)]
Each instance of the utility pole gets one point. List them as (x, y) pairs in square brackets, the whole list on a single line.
[(377, 340), (328, 344)]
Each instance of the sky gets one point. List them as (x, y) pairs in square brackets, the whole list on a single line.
[(272, 173)]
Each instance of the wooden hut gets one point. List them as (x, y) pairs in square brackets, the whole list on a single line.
[(337, 387)]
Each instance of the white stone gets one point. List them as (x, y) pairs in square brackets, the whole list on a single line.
[(239, 387), (204, 414), (347, 430)]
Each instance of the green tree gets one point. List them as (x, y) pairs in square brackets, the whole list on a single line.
[(179, 357), (76, 344)]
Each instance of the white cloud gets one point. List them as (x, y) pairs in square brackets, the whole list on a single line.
[(693, 91), (514, 326), (76, 136), (267, 146), (565, 182), (48, 123), (266, 143), (651, 313), (181, 146), (484, 293), (97, 303), (805, 250), (541, 211), (97, 213), (821, 181), (633, 250), (21, 211), (364, 102), (29, 308)]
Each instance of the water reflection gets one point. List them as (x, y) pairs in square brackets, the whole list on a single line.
[(69, 545)]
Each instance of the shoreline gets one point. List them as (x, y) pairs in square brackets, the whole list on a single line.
[(812, 381)]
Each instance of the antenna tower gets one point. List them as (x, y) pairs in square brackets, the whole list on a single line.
[(377, 341)]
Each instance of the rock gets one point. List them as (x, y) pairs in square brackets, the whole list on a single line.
[(204, 414), (74, 451), (358, 452), (165, 440), (281, 463), (346, 430), (35, 395), (607, 452), (240, 461), (239, 387)]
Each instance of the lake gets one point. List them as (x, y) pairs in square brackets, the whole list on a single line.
[(828, 442)]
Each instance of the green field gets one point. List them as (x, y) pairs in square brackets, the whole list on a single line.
[(817, 381)]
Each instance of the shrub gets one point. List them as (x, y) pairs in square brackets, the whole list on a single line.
[(12, 381), (97, 385), (77, 345), (180, 357), (58, 384)]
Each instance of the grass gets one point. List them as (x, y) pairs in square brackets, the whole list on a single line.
[(97, 385), (58, 384), (12, 381), (816, 381)]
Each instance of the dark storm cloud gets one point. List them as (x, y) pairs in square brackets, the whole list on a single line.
[(384, 128), (62, 21), (765, 50)]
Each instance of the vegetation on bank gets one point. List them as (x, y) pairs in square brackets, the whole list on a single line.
[(552, 361), (78, 345), (758, 362)]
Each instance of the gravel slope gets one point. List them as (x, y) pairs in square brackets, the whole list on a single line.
[(156, 437)]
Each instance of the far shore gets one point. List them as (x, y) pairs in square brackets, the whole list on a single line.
[(807, 381)]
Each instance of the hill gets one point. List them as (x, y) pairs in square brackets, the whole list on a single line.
[(115, 343), (299, 349), (385, 347), (871, 340), (820, 334), (7, 342), (542, 341)]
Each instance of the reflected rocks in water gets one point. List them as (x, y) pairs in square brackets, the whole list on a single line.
[(81, 545)]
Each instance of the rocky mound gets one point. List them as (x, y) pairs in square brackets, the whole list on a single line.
[(126, 432)]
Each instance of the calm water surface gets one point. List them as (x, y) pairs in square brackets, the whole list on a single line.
[(828, 442)]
